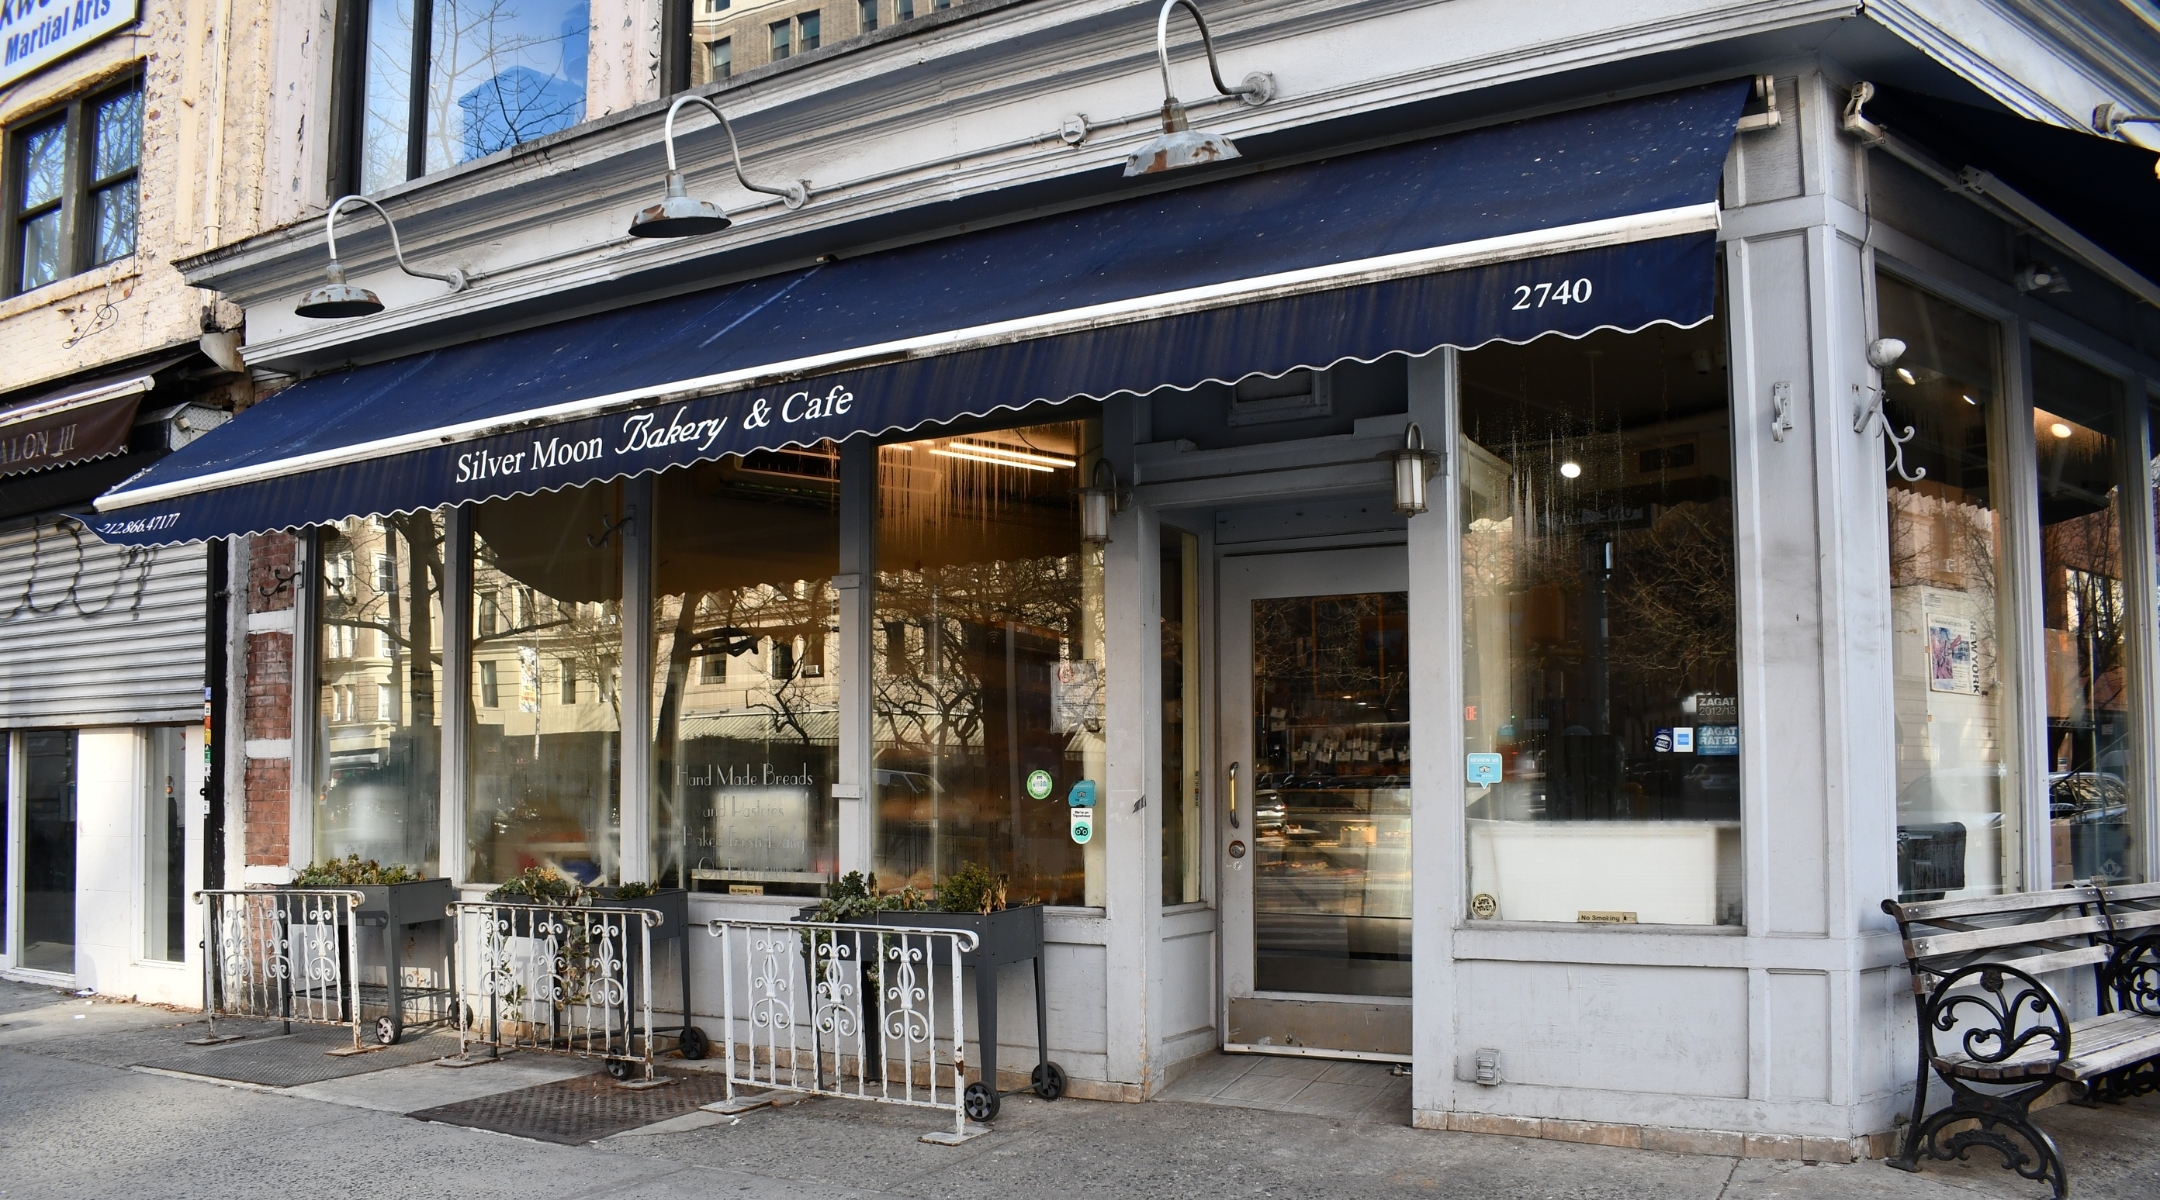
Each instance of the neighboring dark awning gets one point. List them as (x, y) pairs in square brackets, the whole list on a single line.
[(1600, 218), (78, 423), (2104, 189)]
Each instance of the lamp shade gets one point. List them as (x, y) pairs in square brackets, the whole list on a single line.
[(678, 215), (337, 298)]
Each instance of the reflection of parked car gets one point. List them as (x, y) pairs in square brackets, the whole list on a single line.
[(1269, 812), (2095, 806)]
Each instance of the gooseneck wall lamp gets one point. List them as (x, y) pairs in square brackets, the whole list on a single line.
[(677, 214), (1179, 145), (337, 298), (1101, 500)]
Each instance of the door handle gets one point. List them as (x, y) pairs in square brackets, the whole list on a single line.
[(1233, 797)]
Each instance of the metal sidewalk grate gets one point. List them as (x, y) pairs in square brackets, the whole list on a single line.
[(576, 1111), (300, 1059)]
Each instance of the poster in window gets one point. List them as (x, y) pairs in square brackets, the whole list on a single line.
[(1950, 655), (528, 679)]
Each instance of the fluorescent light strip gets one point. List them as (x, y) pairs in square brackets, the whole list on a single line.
[(1586, 235), (1026, 456), (946, 452)]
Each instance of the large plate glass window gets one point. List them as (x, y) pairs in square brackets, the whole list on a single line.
[(2086, 479), (72, 194), (988, 679), (1600, 678), (1948, 609), (746, 704), (544, 787), (490, 75), (378, 690)]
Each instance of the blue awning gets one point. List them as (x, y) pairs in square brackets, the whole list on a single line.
[(1599, 218)]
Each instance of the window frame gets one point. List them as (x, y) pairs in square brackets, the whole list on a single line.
[(76, 119)]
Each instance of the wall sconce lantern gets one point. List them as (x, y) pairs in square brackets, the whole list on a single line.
[(677, 215), (337, 298), (1414, 465), (1099, 501), (1179, 145)]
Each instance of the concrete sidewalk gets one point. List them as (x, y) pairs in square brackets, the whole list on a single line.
[(75, 1122)]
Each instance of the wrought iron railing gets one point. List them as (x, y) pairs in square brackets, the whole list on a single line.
[(559, 980), (287, 955), (862, 1012)]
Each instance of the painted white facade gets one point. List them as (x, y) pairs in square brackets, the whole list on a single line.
[(1794, 1025)]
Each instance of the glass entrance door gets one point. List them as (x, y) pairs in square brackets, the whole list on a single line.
[(1316, 828), (48, 930)]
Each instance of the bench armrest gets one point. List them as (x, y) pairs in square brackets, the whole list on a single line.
[(1993, 1012)]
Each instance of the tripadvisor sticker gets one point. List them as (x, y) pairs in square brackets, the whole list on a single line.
[(1039, 784)]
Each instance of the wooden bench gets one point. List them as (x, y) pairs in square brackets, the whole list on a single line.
[(2000, 1038)]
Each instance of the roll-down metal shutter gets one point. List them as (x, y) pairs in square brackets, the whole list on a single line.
[(92, 634)]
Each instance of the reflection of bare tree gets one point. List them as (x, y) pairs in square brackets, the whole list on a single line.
[(1944, 542), (490, 62), (933, 700), (584, 639), (2083, 558), (1672, 599)]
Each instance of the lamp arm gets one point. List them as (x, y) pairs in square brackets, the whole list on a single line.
[(1254, 90), (456, 278), (794, 195)]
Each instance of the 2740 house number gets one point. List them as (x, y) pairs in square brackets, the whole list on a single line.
[(1534, 295)]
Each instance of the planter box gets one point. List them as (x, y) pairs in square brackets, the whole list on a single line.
[(673, 905), (403, 904), (1007, 936)]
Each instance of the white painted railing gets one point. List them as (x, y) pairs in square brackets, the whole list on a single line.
[(286, 955), (862, 1012), (559, 980)]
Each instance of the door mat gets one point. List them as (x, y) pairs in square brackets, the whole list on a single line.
[(576, 1111), (301, 1058)]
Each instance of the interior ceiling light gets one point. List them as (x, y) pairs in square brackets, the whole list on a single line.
[(337, 298), (1906, 375), (2059, 429), (968, 453), (677, 215), (1018, 456), (1571, 469), (1179, 145)]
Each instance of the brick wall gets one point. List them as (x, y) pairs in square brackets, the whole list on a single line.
[(271, 559)]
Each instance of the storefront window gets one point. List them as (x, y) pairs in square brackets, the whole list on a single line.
[(1952, 693), (545, 776), (165, 805), (1600, 689), (1181, 833), (2077, 430), (378, 690), (746, 702), (988, 683), (48, 917)]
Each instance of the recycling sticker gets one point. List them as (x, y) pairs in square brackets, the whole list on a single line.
[(1039, 784)]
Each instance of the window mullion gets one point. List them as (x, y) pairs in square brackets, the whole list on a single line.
[(416, 89), (74, 193)]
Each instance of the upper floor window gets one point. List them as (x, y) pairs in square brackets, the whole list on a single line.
[(491, 74), (718, 29), (71, 191)]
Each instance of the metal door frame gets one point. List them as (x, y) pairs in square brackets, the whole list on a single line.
[(1240, 579)]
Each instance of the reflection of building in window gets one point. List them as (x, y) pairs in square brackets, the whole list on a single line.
[(747, 34), (992, 671), (490, 688), (1600, 625), (378, 668), (495, 72)]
